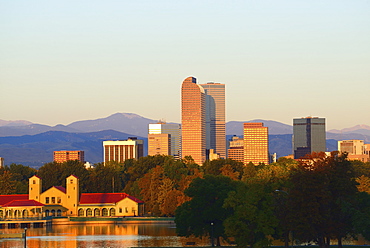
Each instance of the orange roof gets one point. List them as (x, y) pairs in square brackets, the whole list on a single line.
[(4, 199), (96, 198), (23, 203)]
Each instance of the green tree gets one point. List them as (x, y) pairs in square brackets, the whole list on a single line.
[(253, 220), (204, 213)]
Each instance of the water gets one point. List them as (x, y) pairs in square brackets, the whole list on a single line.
[(113, 236), (91, 236)]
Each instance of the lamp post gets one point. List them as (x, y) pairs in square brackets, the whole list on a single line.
[(212, 232), (25, 237)]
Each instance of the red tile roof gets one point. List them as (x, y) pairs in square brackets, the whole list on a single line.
[(8, 198), (23, 203), (96, 198), (60, 188)]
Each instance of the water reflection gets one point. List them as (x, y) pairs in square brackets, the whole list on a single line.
[(128, 235)]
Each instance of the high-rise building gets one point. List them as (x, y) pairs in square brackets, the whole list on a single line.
[(174, 132), (64, 156), (255, 143), (159, 144), (215, 118), (356, 149), (120, 150), (236, 149), (1, 162), (308, 136), (193, 120)]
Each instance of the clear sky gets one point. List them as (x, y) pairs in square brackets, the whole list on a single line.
[(63, 61)]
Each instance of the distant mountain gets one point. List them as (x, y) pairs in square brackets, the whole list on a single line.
[(35, 150), (361, 129), (31, 129), (121, 122), (14, 123), (236, 127)]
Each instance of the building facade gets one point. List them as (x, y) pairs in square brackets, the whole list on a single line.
[(309, 136), (215, 118), (193, 120), (356, 149), (120, 150), (236, 149), (255, 143), (64, 156), (174, 132), (159, 144), (59, 201)]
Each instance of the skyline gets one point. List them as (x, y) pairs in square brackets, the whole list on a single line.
[(67, 61)]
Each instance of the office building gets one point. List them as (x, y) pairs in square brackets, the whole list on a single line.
[(174, 132), (64, 156), (308, 136), (255, 143), (120, 150), (159, 144), (215, 118), (236, 149), (193, 120), (356, 149)]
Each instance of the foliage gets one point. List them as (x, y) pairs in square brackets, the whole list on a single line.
[(207, 194), (7, 186), (20, 175), (227, 166)]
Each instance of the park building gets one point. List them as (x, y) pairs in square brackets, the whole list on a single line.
[(58, 201)]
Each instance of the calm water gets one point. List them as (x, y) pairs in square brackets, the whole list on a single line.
[(127, 235)]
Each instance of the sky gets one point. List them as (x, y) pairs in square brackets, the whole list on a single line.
[(64, 61)]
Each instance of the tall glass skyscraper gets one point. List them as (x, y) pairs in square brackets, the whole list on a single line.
[(308, 136), (215, 118), (193, 120), (156, 133)]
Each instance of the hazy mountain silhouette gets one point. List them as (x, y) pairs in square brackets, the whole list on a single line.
[(236, 127)]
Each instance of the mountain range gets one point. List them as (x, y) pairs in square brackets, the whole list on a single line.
[(33, 144)]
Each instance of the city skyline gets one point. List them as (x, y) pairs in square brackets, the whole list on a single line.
[(68, 61)]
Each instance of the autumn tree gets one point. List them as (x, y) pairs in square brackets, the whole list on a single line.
[(7, 186)]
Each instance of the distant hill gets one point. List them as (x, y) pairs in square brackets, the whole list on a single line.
[(35, 150), (236, 127), (14, 123)]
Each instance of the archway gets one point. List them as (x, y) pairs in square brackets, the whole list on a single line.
[(81, 212), (112, 212), (105, 212), (89, 212), (96, 212)]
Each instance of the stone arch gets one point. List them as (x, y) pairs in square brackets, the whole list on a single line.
[(59, 212), (47, 213), (112, 212), (81, 212), (53, 212), (96, 212), (17, 214), (88, 212)]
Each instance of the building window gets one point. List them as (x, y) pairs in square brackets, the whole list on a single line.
[(59, 200), (47, 200), (71, 181), (52, 199), (120, 210), (34, 181), (126, 209)]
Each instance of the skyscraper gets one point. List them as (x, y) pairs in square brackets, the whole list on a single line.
[(255, 143), (174, 132), (236, 150), (193, 120), (308, 136), (120, 150), (215, 118)]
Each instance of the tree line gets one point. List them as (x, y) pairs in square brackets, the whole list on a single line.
[(315, 200)]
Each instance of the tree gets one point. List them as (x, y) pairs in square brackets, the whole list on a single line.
[(253, 219), (204, 213), (7, 186)]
